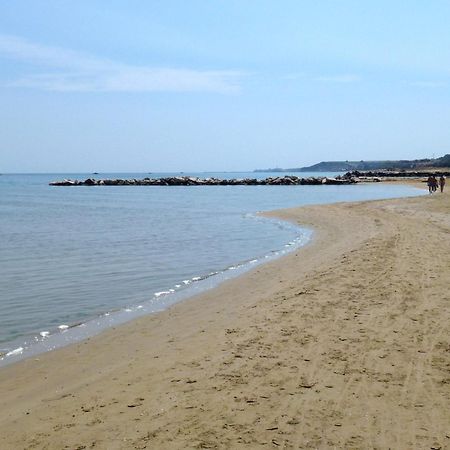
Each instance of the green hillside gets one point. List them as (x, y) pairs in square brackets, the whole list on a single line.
[(345, 166)]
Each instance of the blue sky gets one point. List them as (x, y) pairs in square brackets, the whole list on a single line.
[(90, 85)]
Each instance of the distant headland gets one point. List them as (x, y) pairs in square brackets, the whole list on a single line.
[(349, 166)]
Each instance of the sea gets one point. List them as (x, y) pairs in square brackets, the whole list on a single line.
[(77, 260)]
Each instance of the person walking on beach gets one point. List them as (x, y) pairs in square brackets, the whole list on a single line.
[(430, 184), (435, 183), (442, 182)]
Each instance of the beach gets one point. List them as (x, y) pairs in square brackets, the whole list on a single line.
[(344, 343)]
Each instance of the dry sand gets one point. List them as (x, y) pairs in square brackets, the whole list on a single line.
[(343, 344)]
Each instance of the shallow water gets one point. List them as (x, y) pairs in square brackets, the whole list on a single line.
[(71, 254)]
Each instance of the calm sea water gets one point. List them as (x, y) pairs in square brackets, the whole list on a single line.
[(70, 255)]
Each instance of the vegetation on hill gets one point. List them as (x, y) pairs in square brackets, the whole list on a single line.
[(345, 166)]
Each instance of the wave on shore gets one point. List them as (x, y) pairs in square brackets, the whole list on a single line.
[(63, 334)]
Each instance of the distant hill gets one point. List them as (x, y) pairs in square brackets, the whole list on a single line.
[(443, 161), (345, 166)]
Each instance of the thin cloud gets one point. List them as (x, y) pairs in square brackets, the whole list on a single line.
[(75, 71), (344, 78)]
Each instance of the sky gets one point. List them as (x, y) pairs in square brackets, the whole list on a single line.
[(220, 85)]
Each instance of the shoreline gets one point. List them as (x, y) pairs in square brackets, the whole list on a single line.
[(246, 369), (69, 334)]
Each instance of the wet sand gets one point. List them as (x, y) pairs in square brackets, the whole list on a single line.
[(344, 343)]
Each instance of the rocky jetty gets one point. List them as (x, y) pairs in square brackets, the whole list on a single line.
[(194, 181), (381, 174)]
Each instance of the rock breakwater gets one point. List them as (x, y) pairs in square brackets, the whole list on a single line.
[(383, 174), (194, 181)]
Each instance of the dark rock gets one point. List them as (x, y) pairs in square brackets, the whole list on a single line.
[(287, 180), (393, 174)]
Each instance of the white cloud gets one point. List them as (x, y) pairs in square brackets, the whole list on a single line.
[(343, 78), (74, 71)]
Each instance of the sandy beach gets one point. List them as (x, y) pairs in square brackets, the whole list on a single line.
[(342, 344)]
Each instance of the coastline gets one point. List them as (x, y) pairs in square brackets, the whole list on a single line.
[(331, 345), (109, 304), (71, 333)]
